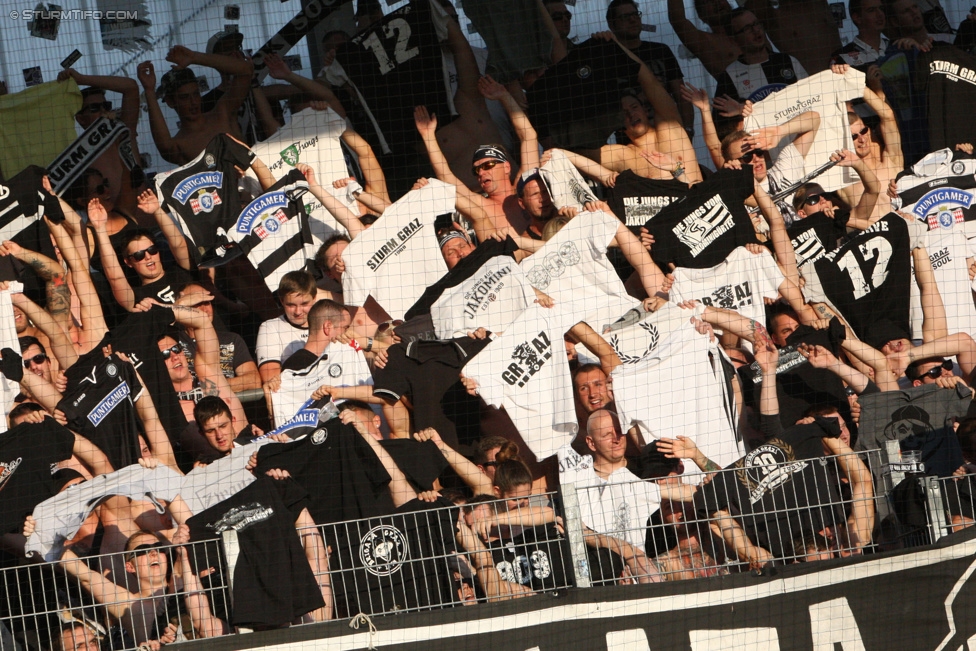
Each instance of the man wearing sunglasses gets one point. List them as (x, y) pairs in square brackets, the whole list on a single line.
[(125, 180), (928, 371), (883, 156), (140, 253), (810, 198)]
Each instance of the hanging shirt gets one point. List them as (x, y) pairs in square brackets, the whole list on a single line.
[(516, 38), (573, 269), (273, 582), (397, 562), (939, 190), (563, 181), (207, 485), (344, 478), (867, 278), (826, 94), (779, 492), (273, 230), (59, 518), (636, 200), (428, 373), (588, 82), (755, 81), (28, 455), (816, 235), (946, 78), (859, 55), (487, 289), (685, 370), (100, 404), (312, 137), (397, 258), (920, 418), (527, 372), (202, 195), (739, 283), (534, 558), (340, 365), (396, 65), (701, 229), (137, 337), (23, 201), (47, 109), (638, 334)]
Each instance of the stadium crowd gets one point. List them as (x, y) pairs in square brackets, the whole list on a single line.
[(389, 329)]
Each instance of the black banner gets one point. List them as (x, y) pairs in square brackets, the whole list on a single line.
[(313, 13), (923, 599)]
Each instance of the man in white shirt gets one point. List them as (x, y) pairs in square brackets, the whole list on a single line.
[(612, 499)]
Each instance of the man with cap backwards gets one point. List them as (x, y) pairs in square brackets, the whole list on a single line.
[(180, 91)]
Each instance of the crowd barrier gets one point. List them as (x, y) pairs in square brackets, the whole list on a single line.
[(416, 560)]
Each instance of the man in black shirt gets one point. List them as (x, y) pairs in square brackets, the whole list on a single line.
[(141, 254)]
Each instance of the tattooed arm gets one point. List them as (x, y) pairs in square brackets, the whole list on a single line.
[(61, 345), (58, 294)]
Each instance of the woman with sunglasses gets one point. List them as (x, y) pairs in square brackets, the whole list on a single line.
[(147, 610), (142, 255)]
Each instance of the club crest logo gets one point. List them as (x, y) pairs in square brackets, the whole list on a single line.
[(383, 550), (290, 155)]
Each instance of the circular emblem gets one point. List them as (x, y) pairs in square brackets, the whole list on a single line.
[(584, 72), (206, 202), (383, 550), (946, 219), (335, 370), (958, 167), (538, 277), (112, 370), (787, 73), (319, 436), (209, 160), (272, 224)]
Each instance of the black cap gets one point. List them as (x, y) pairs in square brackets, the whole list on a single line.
[(173, 79), (654, 465)]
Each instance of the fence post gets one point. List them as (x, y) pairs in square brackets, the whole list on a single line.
[(574, 532), (232, 550), (934, 507)]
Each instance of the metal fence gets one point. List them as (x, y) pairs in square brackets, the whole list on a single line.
[(438, 556)]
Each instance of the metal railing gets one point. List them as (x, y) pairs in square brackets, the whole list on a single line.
[(448, 556)]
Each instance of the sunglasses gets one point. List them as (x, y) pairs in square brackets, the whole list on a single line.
[(747, 157), (36, 359), (139, 256), (860, 134), (389, 325), (175, 350), (561, 15), (748, 28), (142, 550), (102, 187), (95, 108), (487, 165), (628, 16), (935, 372), (812, 199)]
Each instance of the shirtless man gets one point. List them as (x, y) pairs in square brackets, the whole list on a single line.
[(491, 164), (123, 184), (181, 93), (474, 124), (715, 49), (884, 163), (665, 135), (804, 29)]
